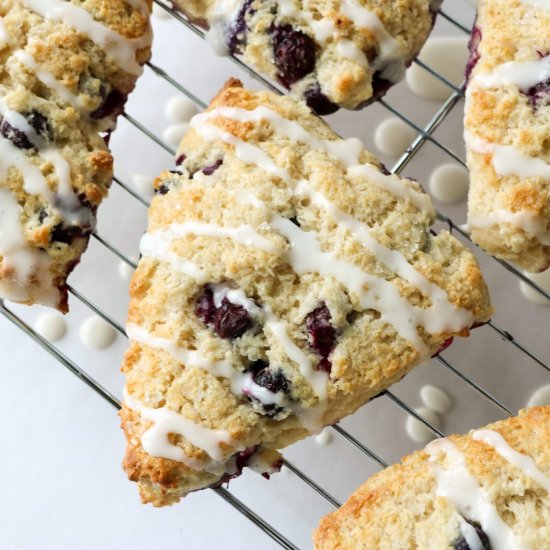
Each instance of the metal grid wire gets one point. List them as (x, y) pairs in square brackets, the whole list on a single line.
[(425, 135)]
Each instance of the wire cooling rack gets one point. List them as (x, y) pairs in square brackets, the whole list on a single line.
[(427, 134)]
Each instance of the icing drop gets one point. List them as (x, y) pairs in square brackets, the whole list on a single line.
[(544, 4), (463, 491), (521, 461), (123, 50)]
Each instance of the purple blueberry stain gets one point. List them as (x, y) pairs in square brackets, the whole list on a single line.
[(322, 335), (209, 170), (446, 344), (318, 102), (205, 309), (473, 47), (180, 159), (112, 106), (294, 54)]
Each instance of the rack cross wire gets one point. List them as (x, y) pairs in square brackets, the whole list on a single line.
[(424, 135)]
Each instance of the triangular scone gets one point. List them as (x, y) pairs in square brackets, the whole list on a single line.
[(486, 490), (331, 54), (506, 131), (67, 68), (285, 280)]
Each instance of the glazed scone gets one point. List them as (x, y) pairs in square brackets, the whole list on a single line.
[(488, 490), (506, 131), (66, 69), (285, 280), (332, 54)]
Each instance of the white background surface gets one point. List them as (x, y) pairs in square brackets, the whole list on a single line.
[(62, 486)]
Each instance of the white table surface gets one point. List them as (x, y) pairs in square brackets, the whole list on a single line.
[(62, 485)]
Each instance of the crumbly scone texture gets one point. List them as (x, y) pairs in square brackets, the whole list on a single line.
[(327, 52), (398, 508), (509, 30), (367, 355), (66, 91)]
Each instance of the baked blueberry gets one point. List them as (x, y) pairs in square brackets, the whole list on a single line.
[(322, 335)]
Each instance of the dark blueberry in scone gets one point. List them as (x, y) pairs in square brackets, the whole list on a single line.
[(236, 36), (473, 46), (205, 308), (209, 170), (461, 543), (318, 102), (162, 189), (40, 124), (322, 335), (113, 105), (294, 53), (231, 320), (16, 136), (273, 380), (67, 234)]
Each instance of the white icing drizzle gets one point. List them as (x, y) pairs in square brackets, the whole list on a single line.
[(49, 80), (523, 74), (306, 255), (348, 49), (456, 484), (522, 462), (244, 234), (345, 151), (528, 221), (241, 383), (394, 259), (19, 256), (123, 50), (68, 206), (165, 422), (157, 246), (509, 161), (470, 535)]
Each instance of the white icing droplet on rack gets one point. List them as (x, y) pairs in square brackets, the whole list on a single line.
[(445, 55), (393, 136), (143, 184), (436, 399), (540, 279), (449, 183), (51, 326), (544, 4), (172, 134), (540, 397), (180, 109), (97, 334), (324, 438), (418, 431), (125, 271)]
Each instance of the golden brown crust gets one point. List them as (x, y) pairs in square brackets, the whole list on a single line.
[(368, 355), (398, 507), (511, 31), (60, 89)]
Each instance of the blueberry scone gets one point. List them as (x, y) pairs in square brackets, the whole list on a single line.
[(66, 69), (488, 490), (332, 54), (506, 131), (286, 278)]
